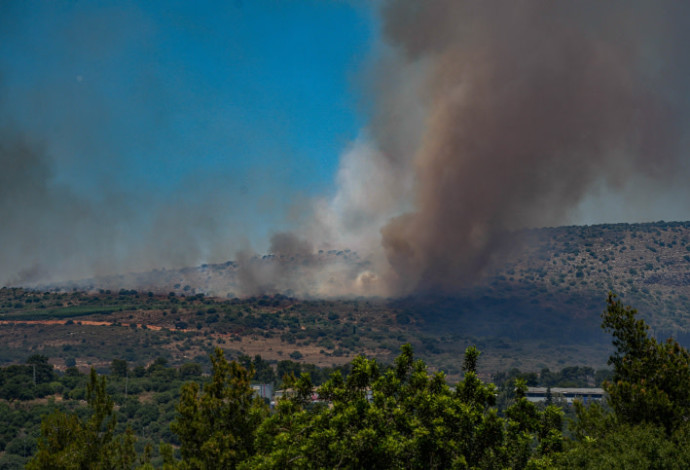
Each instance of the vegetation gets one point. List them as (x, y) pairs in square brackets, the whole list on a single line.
[(217, 428), (534, 318), (646, 425), (397, 416), (321, 332), (537, 309), (68, 441)]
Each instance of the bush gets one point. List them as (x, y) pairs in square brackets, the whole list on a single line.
[(11, 462), (296, 355), (24, 446)]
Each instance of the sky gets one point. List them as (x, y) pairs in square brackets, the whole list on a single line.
[(164, 113), (156, 98), (136, 135)]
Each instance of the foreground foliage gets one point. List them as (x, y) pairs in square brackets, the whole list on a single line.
[(646, 425), (403, 416), (217, 428), (69, 442)]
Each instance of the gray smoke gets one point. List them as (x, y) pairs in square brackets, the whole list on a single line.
[(70, 208), (51, 233), (289, 266), (292, 266)]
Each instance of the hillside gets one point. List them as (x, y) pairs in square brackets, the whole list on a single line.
[(537, 306), (649, 264)]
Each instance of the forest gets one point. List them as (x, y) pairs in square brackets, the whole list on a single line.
[(364, 415)]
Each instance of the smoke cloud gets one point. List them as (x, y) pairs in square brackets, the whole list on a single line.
[(520, 109), (105, 149), (52, 233)]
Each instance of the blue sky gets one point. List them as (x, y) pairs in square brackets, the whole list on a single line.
[(156, 98)]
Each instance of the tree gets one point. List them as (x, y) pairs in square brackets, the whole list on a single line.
[(263, 372), (43, 370), (217, 426), (118, 368), (69, 442), (160, 363), (621, 446), (402, 417), (288, 367), (189, 370), (11, 462), (649, 399), (651, 381)]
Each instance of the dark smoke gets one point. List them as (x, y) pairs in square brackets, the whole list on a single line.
[(528, 106)]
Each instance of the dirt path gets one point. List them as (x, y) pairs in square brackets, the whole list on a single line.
[(82, 322)]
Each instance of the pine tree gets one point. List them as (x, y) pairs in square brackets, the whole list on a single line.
[(68, 442), (217, 426)]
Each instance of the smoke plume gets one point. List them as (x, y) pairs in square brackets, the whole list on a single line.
[(512, 114)]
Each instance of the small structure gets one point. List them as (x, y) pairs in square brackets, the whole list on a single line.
[(264, 390), (584, 394)]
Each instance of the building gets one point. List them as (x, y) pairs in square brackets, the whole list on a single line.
[(585, 395), (264, 390)]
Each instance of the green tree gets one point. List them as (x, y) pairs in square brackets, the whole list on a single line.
[(217, 426), (118, 368), (69, 442), (651, 380), (189, 370), (263, 372), (402, 417), (646, 422), (622, 446), (11, 462), (41, 367), (288, 367), (159, 364)]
